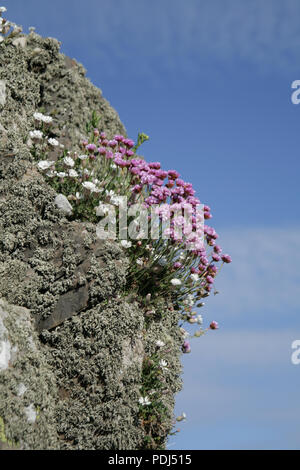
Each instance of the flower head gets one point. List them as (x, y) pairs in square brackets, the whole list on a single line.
[(126, 244), (176, 282), (42, 118), (73, 174), (53, 142), (89, 186), (44, 165), (36, 135), (214, 325), (68, 161), (144, 401), (186, 347), (227, 259), (163, 364)]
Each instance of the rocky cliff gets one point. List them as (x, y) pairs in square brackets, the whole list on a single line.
[(74, 349)]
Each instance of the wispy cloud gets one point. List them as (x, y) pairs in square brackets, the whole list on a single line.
[(173, 35), (264, 278), (240, 390), (240, 386)]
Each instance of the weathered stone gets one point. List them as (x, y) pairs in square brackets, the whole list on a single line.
[(20, 42), (77, 384), (63, 204), (29, 372), (2, 92)]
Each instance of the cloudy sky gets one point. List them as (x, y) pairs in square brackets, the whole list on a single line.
[(210, 82)]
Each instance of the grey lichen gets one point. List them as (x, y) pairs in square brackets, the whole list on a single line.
[(78, 339), (29, 367)]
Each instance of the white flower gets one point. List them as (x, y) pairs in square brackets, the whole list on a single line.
[(144, 401), (53, 142), (83, 157), (109, 193), (97, 190), (189, 301), (47, 119), (78, 196), (68, 161), (51, 174), (160, 344), (118, 201), (42, 118), (195, 277), (73, 174), (163, 364), (126, 244), (38, 116), (61, 174), (176, 282), (113, 166), (37, 135), (200, 320), (140, 262), (101, 210), (89, 186), (3, 9), (45, 165)]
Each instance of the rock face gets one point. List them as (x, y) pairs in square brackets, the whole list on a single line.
[(72, 339)]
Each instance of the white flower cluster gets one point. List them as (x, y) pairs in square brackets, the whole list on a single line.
[(39, 117), (36, 135), (189, 300), (5, 26)]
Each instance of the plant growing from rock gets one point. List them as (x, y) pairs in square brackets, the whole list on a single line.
[(181, 262)]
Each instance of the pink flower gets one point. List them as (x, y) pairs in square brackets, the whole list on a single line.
[(119, 138), (91, 148), (177, 265), (173, 174), (112, 143), (102, 150), (154, 165), (186, 347), (209, 279), (214, 325), (129, 143), (227, 259)]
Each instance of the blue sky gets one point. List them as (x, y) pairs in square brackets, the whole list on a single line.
[(210, 82)]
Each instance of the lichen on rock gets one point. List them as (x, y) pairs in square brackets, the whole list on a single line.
[(77, 339)]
